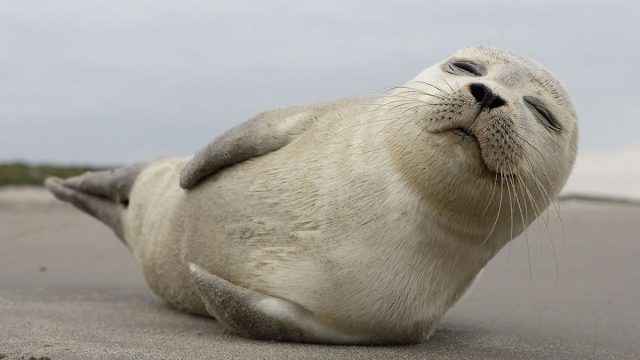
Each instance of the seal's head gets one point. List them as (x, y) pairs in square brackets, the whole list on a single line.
[(495, 139)]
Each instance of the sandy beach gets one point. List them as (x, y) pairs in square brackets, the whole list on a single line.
[(70, 290)]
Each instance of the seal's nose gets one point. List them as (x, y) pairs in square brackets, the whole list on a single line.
[(485, 97)]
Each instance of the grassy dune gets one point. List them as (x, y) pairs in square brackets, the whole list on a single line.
[(27, 174)]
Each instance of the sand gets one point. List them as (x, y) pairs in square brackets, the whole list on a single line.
[(70, 290)]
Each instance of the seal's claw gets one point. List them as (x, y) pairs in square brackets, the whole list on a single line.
[(187, 180), (55, 185), (102, 209)]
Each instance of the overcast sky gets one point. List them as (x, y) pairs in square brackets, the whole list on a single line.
[(114, 82)]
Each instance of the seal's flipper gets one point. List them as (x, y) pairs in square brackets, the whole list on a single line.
[(102, 194), (102, 209), (253, 314), (112, 184), (262, 134), (266, 132)]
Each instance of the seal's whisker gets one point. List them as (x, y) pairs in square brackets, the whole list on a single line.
[(414, 109), (407, 123), (384, 118), (497, 216), (515, 186), (523, 139), (552, 201), (419, 133), (524, 225), (401, 95), (551, 242), (534, 165), (537, 212), (511, 186), (536, 209), (524, 200), (410, 102), (547, 232), (449, 85), (415, 119), (402, 101), (493, 189), (387, 111), (429, 84), (508, 182), (412, 90)]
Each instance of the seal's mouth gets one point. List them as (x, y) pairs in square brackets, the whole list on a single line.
[(469, 136), (465, 133)]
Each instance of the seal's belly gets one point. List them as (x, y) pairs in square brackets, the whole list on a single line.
[(241, 224), (155, 233), (298, 233)]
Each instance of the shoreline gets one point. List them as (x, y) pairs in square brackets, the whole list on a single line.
[(33, 196)]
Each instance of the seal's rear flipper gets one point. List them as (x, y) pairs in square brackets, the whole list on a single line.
[(102, 209), (103, 194), (113, 184), (260, 316)]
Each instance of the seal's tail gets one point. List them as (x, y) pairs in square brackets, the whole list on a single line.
[(103, 194)]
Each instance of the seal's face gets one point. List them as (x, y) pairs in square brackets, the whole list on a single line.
[(501, 121)]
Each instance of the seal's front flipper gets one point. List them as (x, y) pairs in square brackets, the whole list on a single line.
[(266, 132), (253, 314), (260, 135)]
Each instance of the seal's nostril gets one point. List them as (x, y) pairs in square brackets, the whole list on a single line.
[(479, 91), (495, 101), (485, 97)]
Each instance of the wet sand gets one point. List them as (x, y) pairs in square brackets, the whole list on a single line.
[(70, 290)]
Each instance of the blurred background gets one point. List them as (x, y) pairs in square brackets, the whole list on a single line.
[(102, 83)]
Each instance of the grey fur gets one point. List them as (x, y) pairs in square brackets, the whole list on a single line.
[(260, 316), (103, 194), (112, 184), (237, 309)]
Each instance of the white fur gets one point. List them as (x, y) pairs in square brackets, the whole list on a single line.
[(372, 224)]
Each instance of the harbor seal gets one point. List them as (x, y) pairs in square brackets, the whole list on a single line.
[(358, 221)]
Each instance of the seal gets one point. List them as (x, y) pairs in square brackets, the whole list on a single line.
[(358, 221)]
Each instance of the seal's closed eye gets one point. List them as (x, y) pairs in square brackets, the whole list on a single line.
[(541, 112), (466, 67)]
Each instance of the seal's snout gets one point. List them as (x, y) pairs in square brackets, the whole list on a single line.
[(485, 97)]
